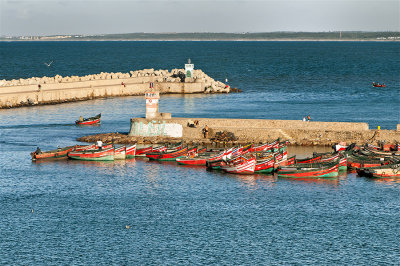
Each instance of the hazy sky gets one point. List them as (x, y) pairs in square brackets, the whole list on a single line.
[(38, 17)]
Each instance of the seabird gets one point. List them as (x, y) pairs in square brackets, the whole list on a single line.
[(48, 64)]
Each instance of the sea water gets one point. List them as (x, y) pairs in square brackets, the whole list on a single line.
[(72, 212)]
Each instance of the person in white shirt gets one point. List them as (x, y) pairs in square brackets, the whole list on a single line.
[(99, 144)]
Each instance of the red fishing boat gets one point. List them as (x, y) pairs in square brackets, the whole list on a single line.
[(378, 85), (195, 161), (316, 171), (309, 160), (240, 165), (333, 158), (130, 151), (89, 121), (85, 147), (386, 171), (120, 153), (266, 146), (167, 156), (143, 151), (93, 155), (60, 153), (265, 166)]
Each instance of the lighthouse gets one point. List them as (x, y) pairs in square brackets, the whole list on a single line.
[(152, 98), (189, 69)]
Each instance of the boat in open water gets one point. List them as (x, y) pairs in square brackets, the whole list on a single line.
[(59, 153), (95, 120)]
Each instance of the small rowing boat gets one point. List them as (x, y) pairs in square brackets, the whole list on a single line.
[(59, 153), (130, 151), (93, 155), (167, 156), (306, 171), (239, 165), (89, 121)]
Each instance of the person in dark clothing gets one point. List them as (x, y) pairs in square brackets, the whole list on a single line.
[(205, 131)]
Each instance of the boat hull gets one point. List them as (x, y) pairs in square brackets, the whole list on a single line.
[(167, 156), (244, 168), (58, 154), (93, 155), (192, 161), (328, 172)]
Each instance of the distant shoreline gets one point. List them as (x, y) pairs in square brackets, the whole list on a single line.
[(341, 36), (204, 40)]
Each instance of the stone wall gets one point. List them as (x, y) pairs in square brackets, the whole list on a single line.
[(59, 89), (297, 132)]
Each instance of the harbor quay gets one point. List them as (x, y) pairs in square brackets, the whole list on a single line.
[(297, 132), (58, 89)]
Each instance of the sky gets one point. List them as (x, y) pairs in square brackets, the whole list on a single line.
[(53, 17)]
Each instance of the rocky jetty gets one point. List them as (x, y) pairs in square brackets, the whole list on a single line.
[(210, 85), (58, 89)]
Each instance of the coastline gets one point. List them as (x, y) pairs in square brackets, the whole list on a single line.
[(205, 40)]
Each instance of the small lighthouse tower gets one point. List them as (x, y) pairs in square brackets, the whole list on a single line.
[(152, 98), (189, 69)]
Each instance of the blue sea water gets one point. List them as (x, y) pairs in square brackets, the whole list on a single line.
[(181, 215)]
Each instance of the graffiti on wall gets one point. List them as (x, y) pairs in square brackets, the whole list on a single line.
[(156, 128)]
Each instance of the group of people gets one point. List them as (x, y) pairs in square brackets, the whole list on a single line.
[(306, 118)]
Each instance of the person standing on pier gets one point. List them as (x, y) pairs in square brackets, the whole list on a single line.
[(205, 131)]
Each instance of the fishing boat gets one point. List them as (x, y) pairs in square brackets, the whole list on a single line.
[(194, 161), (386, 171), (93, 155), (89, 121), (266, 146), (309, 160), (214, 161), (343, 164), (130, 151), (240, 165), (59, 153), (340, 147), (306, 171), (378, 85), (143, 151), (167, 156), (120, 153), (265, 166), (85, 147)]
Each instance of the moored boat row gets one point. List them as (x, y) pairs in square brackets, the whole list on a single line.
[(262, 159)]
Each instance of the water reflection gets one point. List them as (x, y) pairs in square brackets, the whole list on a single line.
[(254, 182), (334, 182), (388, 181)]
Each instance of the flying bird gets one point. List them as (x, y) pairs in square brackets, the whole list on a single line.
[(48, 64)]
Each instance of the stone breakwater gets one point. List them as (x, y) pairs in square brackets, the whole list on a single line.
[(58, 89), (249, 131)]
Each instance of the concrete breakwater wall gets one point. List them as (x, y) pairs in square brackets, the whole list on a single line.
[(58, 89), (258, 130)]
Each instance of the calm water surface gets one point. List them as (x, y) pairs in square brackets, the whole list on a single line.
[(185, 215)]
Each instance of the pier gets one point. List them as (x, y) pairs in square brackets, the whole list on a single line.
[(297, 132), (58, 89)]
